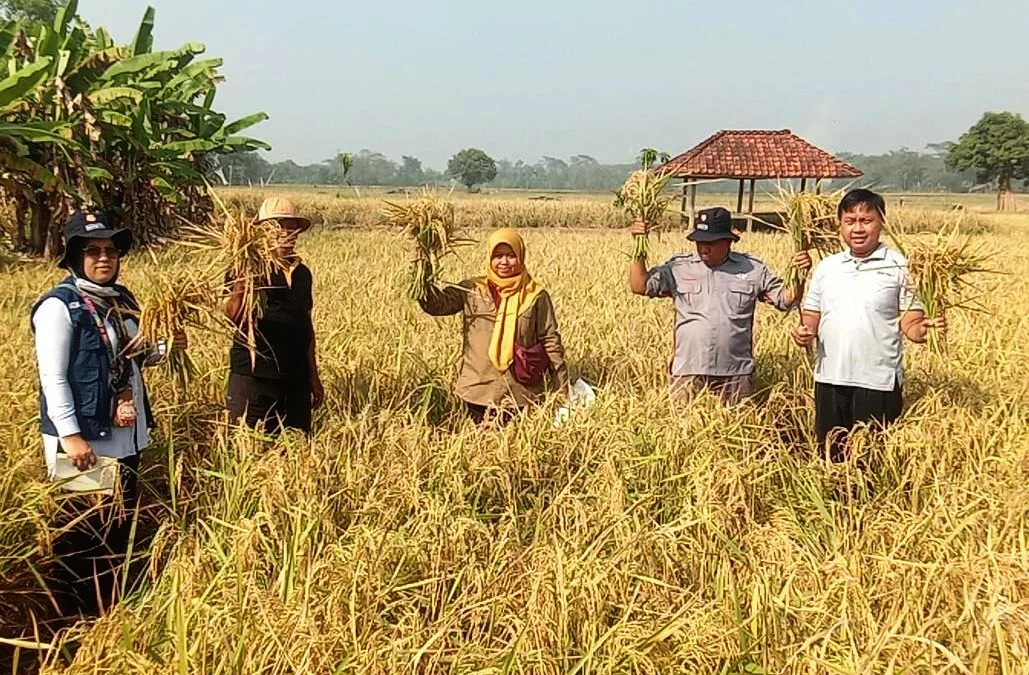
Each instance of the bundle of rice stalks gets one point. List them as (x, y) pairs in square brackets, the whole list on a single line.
[(176, 302), (643, 198), (810, 220), (248, 253), (940, 270), (429, 221)]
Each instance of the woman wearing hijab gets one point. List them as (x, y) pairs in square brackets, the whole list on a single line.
[(510, 331), (93, 403)]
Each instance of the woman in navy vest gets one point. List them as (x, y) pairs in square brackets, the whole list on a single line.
[(93, 403)]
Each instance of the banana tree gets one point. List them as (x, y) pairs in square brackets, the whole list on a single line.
[(121, 126)]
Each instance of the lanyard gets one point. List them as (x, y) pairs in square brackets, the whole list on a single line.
[(119, 372)]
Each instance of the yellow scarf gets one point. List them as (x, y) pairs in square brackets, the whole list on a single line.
[(517, 295)]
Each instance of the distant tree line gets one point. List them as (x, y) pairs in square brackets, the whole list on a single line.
[(992, 155), (899, 170)]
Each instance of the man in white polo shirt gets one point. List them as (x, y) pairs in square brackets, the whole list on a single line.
[(859, 302)]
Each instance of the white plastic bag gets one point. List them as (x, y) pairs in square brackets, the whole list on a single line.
[(580, 397)]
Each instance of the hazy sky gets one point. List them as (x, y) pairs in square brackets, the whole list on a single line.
[(599, 77)]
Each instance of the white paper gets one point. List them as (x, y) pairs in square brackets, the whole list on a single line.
[(100, 479), (580, 397)]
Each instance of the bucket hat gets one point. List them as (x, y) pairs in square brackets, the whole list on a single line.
[(712, 225), (92, 225)]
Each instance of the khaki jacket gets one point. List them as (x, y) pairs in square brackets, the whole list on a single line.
[(479, 382)]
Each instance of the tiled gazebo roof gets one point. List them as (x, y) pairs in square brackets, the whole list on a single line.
[(757, 154)]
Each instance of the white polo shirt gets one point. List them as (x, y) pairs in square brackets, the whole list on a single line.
[(861, 300)]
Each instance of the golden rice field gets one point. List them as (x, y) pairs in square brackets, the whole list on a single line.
[(340, 206), (642, 537)]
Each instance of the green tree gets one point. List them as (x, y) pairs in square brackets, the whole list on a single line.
[(42, 11), (242, 168), (410, 172), (997, 147), (472, 167)]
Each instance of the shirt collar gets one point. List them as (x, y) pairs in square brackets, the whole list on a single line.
[(288, 272), (878, 254), (733, 258)]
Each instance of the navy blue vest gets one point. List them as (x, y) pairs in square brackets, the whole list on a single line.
[(88, 367)]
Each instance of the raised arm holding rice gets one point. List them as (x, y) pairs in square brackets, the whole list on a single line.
[(715, 291)]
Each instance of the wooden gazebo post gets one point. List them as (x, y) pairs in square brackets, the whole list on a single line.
[(693, 203), (739, 198), (683, 206)]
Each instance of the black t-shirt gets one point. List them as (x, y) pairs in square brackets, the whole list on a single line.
[(283, 333)]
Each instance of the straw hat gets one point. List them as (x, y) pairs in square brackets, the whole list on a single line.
[(280, 208)]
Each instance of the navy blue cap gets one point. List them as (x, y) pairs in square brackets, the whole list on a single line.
[(713, 224)]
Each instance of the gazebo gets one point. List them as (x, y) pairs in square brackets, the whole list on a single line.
[(752, 156)]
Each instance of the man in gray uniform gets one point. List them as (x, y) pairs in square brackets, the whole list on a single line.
[(715, 291)]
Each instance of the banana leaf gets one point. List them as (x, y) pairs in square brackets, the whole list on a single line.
[(243, 123), (104, 97), (23, 81), (145, 35), (36, 132), (64, 16), (36, 172), (197, 74), (8, 32), (145, 62)]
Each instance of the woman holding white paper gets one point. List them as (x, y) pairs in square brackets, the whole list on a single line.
[(94, 410)]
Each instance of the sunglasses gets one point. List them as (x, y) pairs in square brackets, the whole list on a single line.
[(95, 252), (290, 224)]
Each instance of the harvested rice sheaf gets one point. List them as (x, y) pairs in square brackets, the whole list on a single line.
[(810, 220), (429, 222), (943, 273), (643, 197), (177, 302), (248, 252)]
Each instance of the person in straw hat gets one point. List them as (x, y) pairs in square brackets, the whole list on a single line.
[(281, 386), (511, 340), (716, 291)]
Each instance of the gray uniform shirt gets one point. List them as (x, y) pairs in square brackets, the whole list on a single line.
[(714, 308)]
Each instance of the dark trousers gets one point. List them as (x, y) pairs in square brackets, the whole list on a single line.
[(92, 543), (480, 414), (838, 409), (275, 403), (730, 389)]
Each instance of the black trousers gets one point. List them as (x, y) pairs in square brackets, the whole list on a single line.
[(838, 409), (275, 403), (480, 414), (91, 547)]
